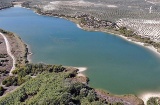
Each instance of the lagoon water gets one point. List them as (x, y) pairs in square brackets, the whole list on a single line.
[(112, 63)]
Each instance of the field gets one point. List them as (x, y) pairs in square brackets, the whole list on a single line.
[(142, 16)]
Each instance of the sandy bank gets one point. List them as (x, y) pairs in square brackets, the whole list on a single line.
[(81, 70), (17, 6), (150, 47)]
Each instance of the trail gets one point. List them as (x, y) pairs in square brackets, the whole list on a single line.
[(9, 53)]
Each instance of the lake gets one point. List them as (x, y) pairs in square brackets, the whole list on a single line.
[(112, 63)]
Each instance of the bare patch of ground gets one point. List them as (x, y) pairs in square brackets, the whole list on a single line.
[(19, 51), (5, 60)]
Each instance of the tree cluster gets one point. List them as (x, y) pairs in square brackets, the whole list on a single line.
[(34, 69), (3, 55)]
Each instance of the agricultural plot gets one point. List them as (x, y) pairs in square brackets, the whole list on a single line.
[(145, 28), (139, 15), (132, 12)]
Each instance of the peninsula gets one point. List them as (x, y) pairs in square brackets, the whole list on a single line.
[(26, 74)]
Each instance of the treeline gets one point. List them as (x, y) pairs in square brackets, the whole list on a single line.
[(6, 32), (128, 33), (34, 69), (29, 69)]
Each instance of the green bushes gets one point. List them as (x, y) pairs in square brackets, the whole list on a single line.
[(6, 32), (34, 69), (12, 80), (49, 88), (3, 71), (1, 90), (153, 101), (126, 32), (3, 55), (29, 69)]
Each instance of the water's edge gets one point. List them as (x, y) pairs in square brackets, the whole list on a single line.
[(139, 43)]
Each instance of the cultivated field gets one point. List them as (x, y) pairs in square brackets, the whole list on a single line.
[(139, 15)]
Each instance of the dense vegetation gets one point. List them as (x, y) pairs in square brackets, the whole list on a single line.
[(34, 69), (153, 101), (29, 69), (53, 85)]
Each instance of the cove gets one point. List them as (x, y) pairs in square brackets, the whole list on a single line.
[(112, 63)]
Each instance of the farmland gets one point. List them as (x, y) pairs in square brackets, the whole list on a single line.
[(142, 16)]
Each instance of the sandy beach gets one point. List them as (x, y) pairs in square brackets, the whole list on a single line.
[(17, 6), (81, 70), (153, 49)]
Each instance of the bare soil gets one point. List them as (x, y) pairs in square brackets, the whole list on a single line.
[(5, 62)]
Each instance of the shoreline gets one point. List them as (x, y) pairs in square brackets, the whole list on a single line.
[(149, 47), (145, 96), (29, 53), (81, 70), (12, 52)]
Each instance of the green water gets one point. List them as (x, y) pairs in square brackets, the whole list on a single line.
[(112, 63)]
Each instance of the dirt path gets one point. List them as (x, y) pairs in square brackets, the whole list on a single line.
[(9, 53)]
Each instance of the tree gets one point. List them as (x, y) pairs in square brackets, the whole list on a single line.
[(1, 90)]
